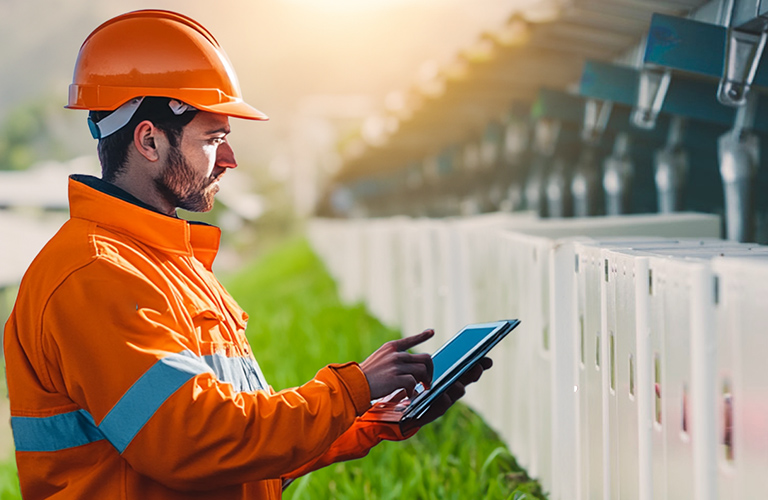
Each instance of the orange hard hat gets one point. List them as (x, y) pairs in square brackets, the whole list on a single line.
[(156, 53)]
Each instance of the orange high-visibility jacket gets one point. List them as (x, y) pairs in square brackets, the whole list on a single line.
[(130, 376)]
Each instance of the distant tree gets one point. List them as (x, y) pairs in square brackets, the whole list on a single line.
[(34, 131)]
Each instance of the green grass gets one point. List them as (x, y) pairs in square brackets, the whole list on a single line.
[(9, 481), (297, 325)]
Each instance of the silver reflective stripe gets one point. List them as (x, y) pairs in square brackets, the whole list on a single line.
[(243, 373)]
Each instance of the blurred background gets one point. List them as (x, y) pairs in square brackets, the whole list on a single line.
[(421, 108), (318, 69)]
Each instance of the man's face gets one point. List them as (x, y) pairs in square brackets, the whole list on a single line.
[(192, 170)]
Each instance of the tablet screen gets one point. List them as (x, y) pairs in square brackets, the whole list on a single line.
[(458, 347), (450, 362)]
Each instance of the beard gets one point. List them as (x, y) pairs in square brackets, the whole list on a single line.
[(184, 187)]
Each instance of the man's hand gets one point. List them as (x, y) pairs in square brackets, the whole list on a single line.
[(392, 367), (450, 396)]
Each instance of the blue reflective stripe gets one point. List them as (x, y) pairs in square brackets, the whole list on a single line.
[(243, 373), (57, 432), (136, 406), (147, 394)]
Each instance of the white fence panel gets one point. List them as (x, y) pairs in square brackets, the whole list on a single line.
[(741, 383), (638, 371)]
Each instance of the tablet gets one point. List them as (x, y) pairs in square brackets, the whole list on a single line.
[(450, 361)]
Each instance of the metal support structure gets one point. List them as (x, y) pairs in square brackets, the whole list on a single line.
[(514, 156), (577, 183), (618, 173), (688, 96), (743, 51), (651, 91), (739, 152), (558, 190), (585, 183), (546, 134), (671, 169), (729, 53), (491, 160)]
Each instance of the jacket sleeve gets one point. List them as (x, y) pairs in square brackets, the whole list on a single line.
[(113, 342), (355, 443)]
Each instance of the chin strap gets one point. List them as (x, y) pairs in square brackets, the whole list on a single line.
[(115, 121)]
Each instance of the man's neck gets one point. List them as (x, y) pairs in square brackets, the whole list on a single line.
[(143, 189), (113, 190)]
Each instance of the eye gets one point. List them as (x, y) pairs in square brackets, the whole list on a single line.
[(217, 140)]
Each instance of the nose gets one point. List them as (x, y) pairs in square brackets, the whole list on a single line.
[(225, 156)]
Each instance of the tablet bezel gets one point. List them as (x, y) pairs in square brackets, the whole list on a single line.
[(419, 405)]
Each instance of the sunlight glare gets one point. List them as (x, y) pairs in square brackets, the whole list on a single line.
[(347, 5)]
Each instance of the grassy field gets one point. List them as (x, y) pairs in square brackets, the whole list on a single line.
[(297, 325)]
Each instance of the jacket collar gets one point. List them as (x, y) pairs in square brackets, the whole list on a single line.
[(98, 201)]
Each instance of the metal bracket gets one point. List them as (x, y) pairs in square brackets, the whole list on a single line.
[(731, 55), (651, 91), (596, 116), (689, 97), (743, 51)]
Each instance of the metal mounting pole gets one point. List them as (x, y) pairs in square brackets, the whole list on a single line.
[(545, 137), (516, 143), (739, 148), (585, 183), (739, 154), (618, 172), (671, 169), (558, 190)]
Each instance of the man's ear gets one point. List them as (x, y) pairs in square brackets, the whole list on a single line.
[(145, 137)]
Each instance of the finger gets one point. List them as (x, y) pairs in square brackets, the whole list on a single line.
[(417, 371), (456, 391), (439, 407), (472, 375), (421, 359), (408, 383), (406, 343)]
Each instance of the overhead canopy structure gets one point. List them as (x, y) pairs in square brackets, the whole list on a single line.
[(544, 45)]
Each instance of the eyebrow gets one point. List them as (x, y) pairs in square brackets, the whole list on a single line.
[(220, 130)]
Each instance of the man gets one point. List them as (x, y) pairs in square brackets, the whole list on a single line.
[(129, 373)]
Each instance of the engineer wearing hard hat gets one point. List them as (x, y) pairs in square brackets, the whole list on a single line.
[(129, 373)]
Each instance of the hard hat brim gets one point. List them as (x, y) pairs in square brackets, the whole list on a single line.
[(237, 109)]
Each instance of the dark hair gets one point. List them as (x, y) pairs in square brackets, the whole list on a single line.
[(113, 149)]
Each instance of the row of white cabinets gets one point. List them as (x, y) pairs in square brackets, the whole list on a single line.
[(638, 371)]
